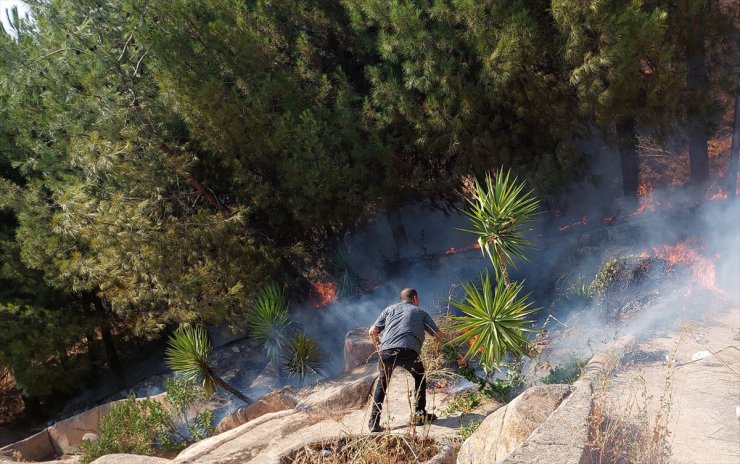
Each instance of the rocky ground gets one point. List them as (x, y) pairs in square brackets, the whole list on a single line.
[(696, 364), (338, 409)]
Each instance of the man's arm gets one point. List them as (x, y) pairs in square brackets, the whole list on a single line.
[(374, 333), (431, 328)]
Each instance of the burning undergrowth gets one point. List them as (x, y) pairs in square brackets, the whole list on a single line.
[(595, 279), (639, 276)]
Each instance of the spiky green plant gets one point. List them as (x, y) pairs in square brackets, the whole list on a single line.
[(268, 321), (494, 320), (348, 282), (499, 212), (187, 354), (302, 356)]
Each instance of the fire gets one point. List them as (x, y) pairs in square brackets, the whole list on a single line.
[(453, 250), (703, 269), (609, 219), (472, 342), (326, 292), (647, 202), (716, 192), (583, 221)]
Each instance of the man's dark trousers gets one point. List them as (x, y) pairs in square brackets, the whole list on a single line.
[(409, 360)]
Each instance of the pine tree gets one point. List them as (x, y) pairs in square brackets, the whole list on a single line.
[(461, 87), (621, 67)]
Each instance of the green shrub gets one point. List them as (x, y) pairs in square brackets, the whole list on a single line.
[(498, 389), (567, 373), (130, 427), (468, 429), (183, 396), (148, 427), (464, 403)]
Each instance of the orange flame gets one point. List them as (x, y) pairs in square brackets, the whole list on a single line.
[(583, 221), (702, 268), (472, 342), (647, 202), (716, 193), (609, 219), (325, 291), (453, 250)]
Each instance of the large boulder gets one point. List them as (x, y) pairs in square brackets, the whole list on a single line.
[(358, 349), (278, 400), (67, 434), (268, 433), (350, 391), (507, 428), (269, 379), (37, 447)]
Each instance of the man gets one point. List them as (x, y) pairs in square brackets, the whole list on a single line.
[(403, 325)]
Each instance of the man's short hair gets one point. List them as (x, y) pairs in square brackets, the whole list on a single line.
[(408, 294)]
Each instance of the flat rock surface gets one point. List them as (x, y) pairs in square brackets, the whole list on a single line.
[(704, 385), (264, 439), (129, 459)]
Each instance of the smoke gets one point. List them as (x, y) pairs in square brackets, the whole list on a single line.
[(559, 262)]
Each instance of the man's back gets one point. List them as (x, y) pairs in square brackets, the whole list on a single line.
[(403, 326)]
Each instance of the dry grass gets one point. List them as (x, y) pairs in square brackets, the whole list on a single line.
[(439, 366), (383, 448), (632, 428)]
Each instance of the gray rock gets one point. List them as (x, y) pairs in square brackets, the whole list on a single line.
[(129, 459), (278, 400), (508, 427), (358, 349)]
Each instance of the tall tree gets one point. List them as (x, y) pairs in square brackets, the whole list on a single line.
[(460, 87), (702, 34), (111, 204), (268, 93), (620, 66)]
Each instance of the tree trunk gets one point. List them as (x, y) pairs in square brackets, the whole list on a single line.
[(627, 143), (221, 383), (195, 183), (92, 354), (732, 172), (110, 349), (697, 82), (398, 230)]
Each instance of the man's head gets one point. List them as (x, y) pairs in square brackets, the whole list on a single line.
[(409, 295)]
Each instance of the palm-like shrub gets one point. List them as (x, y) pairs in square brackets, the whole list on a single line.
[(499, 212), (348, 282), (268, 320), (188, 353), (302, 356), (494, 320)]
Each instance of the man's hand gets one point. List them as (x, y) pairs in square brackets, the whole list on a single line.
[(374, 336)]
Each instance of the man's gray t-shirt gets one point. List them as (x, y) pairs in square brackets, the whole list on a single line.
[(403, 326)]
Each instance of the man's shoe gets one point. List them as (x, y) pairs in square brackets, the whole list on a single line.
[(375, 428), (421, 418)]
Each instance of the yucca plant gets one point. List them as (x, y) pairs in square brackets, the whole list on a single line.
[(302, 356), (268, 321), (494, 320), (349, 283), (499, 212), (188, 353)]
